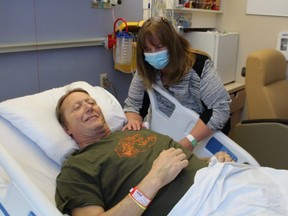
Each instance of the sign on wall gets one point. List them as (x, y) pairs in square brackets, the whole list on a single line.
[(267, 7)]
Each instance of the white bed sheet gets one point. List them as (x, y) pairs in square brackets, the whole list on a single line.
[(235, 189), (40, 169)]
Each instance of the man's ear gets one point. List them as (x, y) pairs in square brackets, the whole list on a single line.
[(66, 130)]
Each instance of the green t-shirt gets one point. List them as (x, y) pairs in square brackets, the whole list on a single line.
[(104, 172)]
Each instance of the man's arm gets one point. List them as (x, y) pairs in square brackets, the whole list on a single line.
[(164, 170)]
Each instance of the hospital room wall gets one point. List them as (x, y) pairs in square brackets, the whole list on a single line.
[(29, 72), (256, 32)]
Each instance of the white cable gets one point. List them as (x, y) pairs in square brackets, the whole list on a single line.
[(113, 14)]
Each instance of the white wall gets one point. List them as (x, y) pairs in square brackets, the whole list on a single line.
[(256, 31)]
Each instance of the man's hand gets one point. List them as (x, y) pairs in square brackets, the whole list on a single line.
[(223, 157), (167, 166)]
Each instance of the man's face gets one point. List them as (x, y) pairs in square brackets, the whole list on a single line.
[(82, 115)]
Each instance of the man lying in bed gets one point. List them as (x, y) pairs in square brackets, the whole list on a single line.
[(119, 173)]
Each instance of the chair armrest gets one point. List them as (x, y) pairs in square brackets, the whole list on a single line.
[(250, 121), (266, 141)]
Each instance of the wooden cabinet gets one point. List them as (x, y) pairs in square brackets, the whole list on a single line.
[(237, 106), (237, 94)]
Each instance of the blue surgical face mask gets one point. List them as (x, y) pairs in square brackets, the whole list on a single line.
[(158, 60)]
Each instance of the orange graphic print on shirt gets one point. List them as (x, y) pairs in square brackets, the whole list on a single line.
[(132, 145)]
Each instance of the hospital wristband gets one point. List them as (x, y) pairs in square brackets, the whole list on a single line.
[(139, 198), (192, 140), (142, 207)]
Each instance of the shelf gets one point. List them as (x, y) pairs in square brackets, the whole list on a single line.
[(234, 87), (192, 10), (195, 18)]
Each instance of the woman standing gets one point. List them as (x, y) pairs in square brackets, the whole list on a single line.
[(166, 59)]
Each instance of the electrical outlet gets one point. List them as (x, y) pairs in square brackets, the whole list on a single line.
[(103, 80)]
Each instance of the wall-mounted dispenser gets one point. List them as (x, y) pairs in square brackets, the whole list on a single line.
[(124, 48), (282, 43)]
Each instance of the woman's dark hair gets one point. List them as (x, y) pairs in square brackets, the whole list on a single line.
[(182, 57)]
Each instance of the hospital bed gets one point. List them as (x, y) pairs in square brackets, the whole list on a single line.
[(33, 145), (180, 123)]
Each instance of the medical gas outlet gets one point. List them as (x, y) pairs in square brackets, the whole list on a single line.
[(104, 81), (104, 4)]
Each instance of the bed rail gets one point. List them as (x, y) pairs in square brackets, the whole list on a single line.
[(19, 196), (181, 122)]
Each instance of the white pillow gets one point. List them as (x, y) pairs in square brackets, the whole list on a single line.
[(34, 115)]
